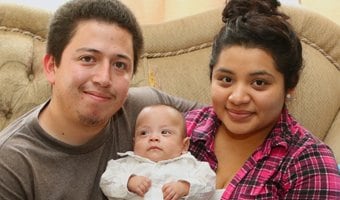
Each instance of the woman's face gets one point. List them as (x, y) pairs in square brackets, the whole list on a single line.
[(247, 91)]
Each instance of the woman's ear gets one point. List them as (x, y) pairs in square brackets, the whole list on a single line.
[(289, 94), (49, 68)]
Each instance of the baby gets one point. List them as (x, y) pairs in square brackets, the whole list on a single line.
[(160, 167)]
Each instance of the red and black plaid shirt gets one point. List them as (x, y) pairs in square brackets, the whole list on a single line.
[(290, 164)]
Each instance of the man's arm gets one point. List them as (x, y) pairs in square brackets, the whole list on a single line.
[(15, 177), (145, 96)]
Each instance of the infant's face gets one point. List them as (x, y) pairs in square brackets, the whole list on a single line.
[(160, 134)]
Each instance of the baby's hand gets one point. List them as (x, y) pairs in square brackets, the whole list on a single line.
[(139, 185), (175, 190)]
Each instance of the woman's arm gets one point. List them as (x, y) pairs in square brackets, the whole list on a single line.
[(313, 175)]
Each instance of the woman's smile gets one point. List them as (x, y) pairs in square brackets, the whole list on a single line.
[(239, 115)]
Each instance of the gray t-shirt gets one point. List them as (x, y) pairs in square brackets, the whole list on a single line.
[(34, 165)]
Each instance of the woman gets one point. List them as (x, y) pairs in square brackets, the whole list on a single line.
[(255, 146)]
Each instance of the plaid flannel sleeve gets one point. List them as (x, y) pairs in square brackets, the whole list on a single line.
[(313, 175)]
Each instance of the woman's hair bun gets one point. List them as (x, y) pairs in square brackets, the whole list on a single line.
[(243, 8)]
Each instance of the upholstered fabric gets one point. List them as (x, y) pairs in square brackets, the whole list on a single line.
[(176, 60), (22, 45)]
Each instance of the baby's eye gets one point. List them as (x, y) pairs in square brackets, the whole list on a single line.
[(143, 133), (166, 132)]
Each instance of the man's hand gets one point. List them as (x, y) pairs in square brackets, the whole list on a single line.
[(139, 185), (175, 190)]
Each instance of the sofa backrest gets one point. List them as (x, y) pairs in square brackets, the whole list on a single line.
[(176, 60), (22, 45)]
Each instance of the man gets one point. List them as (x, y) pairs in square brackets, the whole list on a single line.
[(60, 149)]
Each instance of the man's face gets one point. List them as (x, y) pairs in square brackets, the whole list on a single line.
[(92, 80)]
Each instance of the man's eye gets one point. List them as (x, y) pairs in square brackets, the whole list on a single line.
[(120, 65), (87, 59)]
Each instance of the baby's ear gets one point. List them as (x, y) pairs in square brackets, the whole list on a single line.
[(133, 141), (186, 143)]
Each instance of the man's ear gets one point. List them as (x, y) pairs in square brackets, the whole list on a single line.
[(186, 143), (49, 68)]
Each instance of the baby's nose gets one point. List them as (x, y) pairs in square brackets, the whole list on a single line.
[(154, 136)]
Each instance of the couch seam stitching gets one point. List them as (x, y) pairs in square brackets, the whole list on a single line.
[(178, 52), (323, 52), (27, 33)]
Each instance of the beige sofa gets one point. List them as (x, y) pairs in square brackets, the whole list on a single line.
[(176, 61)]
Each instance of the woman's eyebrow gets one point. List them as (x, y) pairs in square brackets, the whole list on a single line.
[(261, 72)]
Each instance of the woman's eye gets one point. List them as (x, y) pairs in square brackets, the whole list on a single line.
[(226, 79), (259, 83)]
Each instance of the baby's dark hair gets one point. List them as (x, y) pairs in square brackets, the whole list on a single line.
[(259, 24)]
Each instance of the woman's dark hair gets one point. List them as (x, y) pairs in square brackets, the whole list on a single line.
[(259, 24)]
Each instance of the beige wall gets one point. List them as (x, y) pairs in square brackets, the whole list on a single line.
[(157, 11), (328, 8)]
